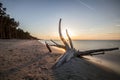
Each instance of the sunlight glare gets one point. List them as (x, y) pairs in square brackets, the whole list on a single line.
[(70, 32)]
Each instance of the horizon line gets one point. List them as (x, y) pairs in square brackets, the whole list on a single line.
[(87, 39)]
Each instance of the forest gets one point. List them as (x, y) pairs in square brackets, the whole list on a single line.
[(9, 27)]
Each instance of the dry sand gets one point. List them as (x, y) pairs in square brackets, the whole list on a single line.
[(30, 60)]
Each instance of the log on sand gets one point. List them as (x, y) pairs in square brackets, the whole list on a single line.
[(70, 51)]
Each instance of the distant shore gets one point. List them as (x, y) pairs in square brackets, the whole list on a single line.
[(30, 59)]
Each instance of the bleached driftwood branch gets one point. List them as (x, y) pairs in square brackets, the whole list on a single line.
[(70, 41), (96, 51), (70, 52), (48, 47), (58, 45)]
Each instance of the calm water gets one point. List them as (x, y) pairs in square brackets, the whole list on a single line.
[(111, 59)]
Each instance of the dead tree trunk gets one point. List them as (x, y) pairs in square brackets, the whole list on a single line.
[(70, 52)]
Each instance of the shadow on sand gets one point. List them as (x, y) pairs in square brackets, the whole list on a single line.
[(80, 69)]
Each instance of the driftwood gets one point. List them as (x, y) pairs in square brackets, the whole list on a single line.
[(48, 47), (70, 51)]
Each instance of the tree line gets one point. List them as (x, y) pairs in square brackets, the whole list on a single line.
[(9, 27)]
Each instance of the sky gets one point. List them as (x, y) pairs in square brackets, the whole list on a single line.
[(84, 19)]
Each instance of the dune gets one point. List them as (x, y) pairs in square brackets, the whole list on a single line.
[(30, 60)]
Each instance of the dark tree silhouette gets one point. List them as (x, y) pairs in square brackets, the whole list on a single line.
[(9, 27)]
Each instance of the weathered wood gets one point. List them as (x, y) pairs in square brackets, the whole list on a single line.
[(64, 58), (48, 47), (58, 45), (70, 41), (93, 52), (61, 36), (70, 52)]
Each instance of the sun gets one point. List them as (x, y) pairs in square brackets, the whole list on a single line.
[(71, 34)]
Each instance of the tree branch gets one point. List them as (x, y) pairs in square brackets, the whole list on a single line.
[(48, 47), (61, 36), (92, 52), (70, 51), (58, 45), (70, 41)]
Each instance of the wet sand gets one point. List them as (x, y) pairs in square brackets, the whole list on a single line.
[(30, 60)]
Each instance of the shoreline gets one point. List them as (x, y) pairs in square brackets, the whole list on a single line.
[(52, 47), (106, 65), (29, 59), (94, 60)]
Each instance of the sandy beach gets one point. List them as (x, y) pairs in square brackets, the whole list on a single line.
[(30, 60)]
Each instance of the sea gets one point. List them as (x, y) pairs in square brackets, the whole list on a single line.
[(111, 59)]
